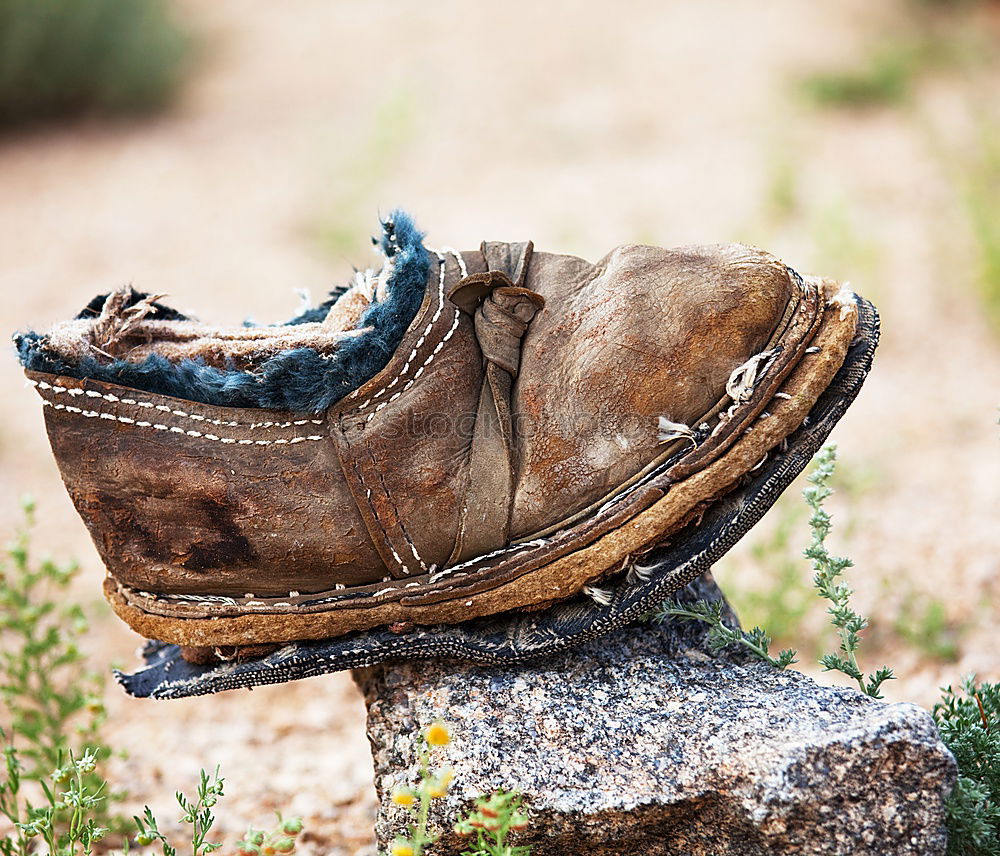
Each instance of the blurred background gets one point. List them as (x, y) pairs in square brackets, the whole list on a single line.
[(229, 154)]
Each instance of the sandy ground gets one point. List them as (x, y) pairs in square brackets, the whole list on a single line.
[(580, 126)]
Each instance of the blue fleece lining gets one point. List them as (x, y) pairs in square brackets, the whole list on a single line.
[(298, 380)]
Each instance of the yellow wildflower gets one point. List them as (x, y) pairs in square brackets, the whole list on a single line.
[(401, 847), (404, 796), (437, 734), (439, 786)]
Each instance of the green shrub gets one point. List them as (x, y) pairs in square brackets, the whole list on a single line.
[(884, 78), (49, 700), (969, 721), (65, 818), (493, 819), (197, 813), (981, 185), (67, 57)]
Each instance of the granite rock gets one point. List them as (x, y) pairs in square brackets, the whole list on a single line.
[(647, 742)]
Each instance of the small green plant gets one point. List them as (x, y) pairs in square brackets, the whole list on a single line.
[(721, 634), (197, 814), (431, 785), (492, 820), (100, 56), (277, 841), (495, 817), (65, 822), (48, 697), (52, 704), (827, 570), (969, 722)]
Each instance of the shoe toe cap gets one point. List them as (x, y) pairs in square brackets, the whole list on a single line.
[(653, 333)]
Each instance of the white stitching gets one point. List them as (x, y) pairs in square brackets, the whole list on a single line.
[(402, 528), (413, 549), (374, 511), (442, 263), (445, 572), (397, 557), (93, 414), (420, 341), (420, 371), (459, 259), (114, 399)]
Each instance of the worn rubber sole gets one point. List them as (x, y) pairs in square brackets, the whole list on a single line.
[(515, 636)]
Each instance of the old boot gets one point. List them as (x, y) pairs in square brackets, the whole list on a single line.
[(455, 435)]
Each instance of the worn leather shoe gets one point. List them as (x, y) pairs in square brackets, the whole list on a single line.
[(455, 435)]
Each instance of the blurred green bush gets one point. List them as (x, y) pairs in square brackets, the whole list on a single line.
[(981, 190), (883, 78), (61, 58)]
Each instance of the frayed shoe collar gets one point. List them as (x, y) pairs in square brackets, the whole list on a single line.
[(299, 379)]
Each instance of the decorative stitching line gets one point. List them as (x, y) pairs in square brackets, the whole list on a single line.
[(198, 598), (399, 520), (420, 341), (173, 429), (252, 603), (368, 496), (420, 371), (446, 572), (442, 262), (149, 405), (459, 259), (259, 606)]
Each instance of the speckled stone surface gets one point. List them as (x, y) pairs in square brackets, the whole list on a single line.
[(646, 742)]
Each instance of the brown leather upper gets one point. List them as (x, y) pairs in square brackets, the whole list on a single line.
[(644, 332), (527, 388)]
